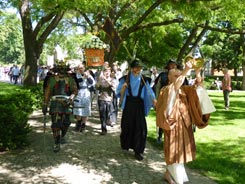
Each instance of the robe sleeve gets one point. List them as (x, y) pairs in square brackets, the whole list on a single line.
[(148, 96), (167, 115), (163, 109), (197, 118), (118, 94)]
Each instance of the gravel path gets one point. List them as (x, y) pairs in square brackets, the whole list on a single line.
[(86, 158)]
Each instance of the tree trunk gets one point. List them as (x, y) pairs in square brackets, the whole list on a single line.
[(110, 57), (243, 77), (243, 60), (235, 73), (34, 39), (30, 76), (31, 60)]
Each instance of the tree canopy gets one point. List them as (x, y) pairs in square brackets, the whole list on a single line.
[(11, 45), (155, 30)]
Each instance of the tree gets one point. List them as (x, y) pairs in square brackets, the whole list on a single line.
[(125, 21), (38, 19), (242, 59), (11, 42), (224, 50), (121, 19), (34, 38)]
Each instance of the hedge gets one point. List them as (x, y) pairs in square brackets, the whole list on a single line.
[(16, 104)]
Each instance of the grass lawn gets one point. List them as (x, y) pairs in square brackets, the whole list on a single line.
[(221, 145)]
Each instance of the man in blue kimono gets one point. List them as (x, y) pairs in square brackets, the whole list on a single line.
[(136, 99)]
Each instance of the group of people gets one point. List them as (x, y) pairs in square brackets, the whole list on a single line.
[(15, 74), (178, 106), (69, 92)]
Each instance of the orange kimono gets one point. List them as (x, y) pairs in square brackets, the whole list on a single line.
[(176, 112)]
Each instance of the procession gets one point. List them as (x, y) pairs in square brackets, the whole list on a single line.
[(68, 92), (122, 92)]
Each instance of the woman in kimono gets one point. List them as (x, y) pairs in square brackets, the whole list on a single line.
[(137, 98), (178, 108)]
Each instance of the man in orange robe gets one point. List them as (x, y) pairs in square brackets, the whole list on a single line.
[(178, 108)]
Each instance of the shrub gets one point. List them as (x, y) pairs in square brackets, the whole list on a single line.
[(36, 95), (15, 108), (14, 128)]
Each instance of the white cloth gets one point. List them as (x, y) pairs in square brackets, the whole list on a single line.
[(171, 102), (15, 71), (82, 102), (153, 78), (205, 102), (178, 173)]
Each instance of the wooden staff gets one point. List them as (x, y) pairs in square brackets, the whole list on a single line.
[(124, 87)]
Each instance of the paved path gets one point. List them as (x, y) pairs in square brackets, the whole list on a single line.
[(87, 158)]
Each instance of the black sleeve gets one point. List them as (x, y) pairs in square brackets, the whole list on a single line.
[(123, 77), (147, 79), (79, 80), (164, 79), (90, 81), (186, 82), (75, 78), (45, 81)]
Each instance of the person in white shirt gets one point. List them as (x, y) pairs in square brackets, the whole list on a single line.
[(153, 76), (15, 73)]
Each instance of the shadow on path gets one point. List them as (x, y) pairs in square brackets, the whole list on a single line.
[(88, 158)]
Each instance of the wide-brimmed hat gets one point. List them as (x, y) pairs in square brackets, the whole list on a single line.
[(136, 63), (171, 61)]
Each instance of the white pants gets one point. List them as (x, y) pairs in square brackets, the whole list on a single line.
[(178, 172)]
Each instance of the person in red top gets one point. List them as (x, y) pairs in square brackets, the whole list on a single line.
[(226, 87)]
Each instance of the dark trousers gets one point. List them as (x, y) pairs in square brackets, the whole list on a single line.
[(133, 125), (104, 111), (226, 94), (15, 78), (60, 125), (160, 132)]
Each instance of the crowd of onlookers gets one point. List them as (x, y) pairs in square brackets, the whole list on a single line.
[(15, 74), (12, 73)]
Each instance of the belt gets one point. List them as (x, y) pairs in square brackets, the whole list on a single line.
[(60, 97), (83, 87)]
